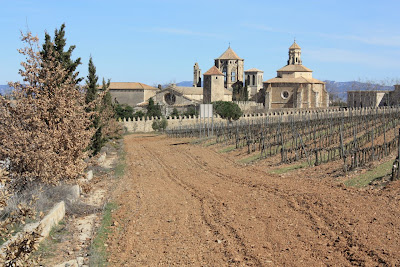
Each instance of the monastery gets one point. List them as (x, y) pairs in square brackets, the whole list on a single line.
[(293, 87)]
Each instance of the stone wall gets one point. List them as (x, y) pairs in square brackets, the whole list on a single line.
[(144, 125)]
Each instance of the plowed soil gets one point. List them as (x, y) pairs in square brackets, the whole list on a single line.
[(182, 204)]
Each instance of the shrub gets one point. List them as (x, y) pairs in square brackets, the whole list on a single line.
[(160, 125), (123, 111), (227, 110)]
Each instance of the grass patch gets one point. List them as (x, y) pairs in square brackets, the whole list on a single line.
[(56, 235), (227, 149), (15, 229), (98, 252), (251, 158), (201, 140), (373, 174), (119, 169), (290, 168), (210, 143)]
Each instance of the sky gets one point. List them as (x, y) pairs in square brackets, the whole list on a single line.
[(158, 41)]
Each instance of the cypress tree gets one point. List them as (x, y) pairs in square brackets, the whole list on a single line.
[(64, 57), (97, 140), (91, 83)]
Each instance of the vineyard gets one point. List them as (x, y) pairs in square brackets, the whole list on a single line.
[(354, 137)]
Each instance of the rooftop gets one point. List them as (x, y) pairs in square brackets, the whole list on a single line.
[(293, 80), (130, 86), (295, 68), (253, 70), (294, 46), (213, 71), (229, 54)]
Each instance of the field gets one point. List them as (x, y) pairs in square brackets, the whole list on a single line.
[(184, 201)]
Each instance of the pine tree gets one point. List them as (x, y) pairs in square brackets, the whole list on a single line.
[(56, 48)]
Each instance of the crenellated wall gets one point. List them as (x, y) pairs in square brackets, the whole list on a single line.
[(145, 124)]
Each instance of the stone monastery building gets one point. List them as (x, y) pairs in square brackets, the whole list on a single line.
[(293, 87)]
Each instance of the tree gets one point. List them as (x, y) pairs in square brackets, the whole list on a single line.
[(97, 140), (152, 109), (46, 129), (55, 49), (174, 113), (239, 93), (227, 110), (160, 125), (123, 111)]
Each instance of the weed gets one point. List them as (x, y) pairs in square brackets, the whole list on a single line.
[(227, 149), (250, 159), (376, 173), (289, 168), (98, 252)]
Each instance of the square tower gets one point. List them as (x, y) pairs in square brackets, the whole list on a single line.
[(231, 66), (213, 86)]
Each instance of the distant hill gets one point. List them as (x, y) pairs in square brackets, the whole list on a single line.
[(185, 83), (341, 88), (5, 89)]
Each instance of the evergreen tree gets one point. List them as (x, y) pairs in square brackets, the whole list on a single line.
[(97, 140), (91, 83), (56, 48), (153, 110)]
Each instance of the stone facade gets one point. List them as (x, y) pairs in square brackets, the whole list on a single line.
[(214, 89), (294, 86), (196, 75), (131, 93), (254, 81), (231, 66)]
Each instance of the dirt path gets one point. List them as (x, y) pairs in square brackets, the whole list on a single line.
[(181, 204)]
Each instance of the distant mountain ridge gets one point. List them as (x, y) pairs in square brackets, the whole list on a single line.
[(338, 88), (5, 89)]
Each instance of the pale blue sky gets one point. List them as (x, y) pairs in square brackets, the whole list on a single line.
[(156, 41)]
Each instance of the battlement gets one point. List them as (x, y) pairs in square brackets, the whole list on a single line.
[(145, 124)]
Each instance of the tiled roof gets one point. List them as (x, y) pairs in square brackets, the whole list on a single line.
[(295, 68), (294, 46), (253, 70), (293, 80), (229, 54), (213, 71), (130, 86)]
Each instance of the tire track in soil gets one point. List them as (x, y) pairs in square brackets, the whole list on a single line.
[(213, 218), (322, 224)]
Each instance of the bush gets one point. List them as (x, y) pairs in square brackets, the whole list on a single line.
[(190, 112), (139, 114), (160, 125), (227, 110), (123, 111), (174, 113)]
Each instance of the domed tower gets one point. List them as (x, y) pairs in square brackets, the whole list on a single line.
[(294, 54)]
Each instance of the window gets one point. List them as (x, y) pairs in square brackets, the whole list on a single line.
[(254, 79), (233, 76), (224, 72), (285, 94), (170, 98)]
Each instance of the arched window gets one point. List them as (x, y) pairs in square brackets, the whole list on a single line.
[(254, 79), (224, 72)]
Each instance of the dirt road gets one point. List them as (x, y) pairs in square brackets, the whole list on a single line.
[(181, 204)]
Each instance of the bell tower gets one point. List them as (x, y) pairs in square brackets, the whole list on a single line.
[(294, 54), (196, 75)]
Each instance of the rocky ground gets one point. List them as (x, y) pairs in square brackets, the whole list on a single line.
[(184, 204)]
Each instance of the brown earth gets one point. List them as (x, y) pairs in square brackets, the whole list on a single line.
[(181, 204)]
